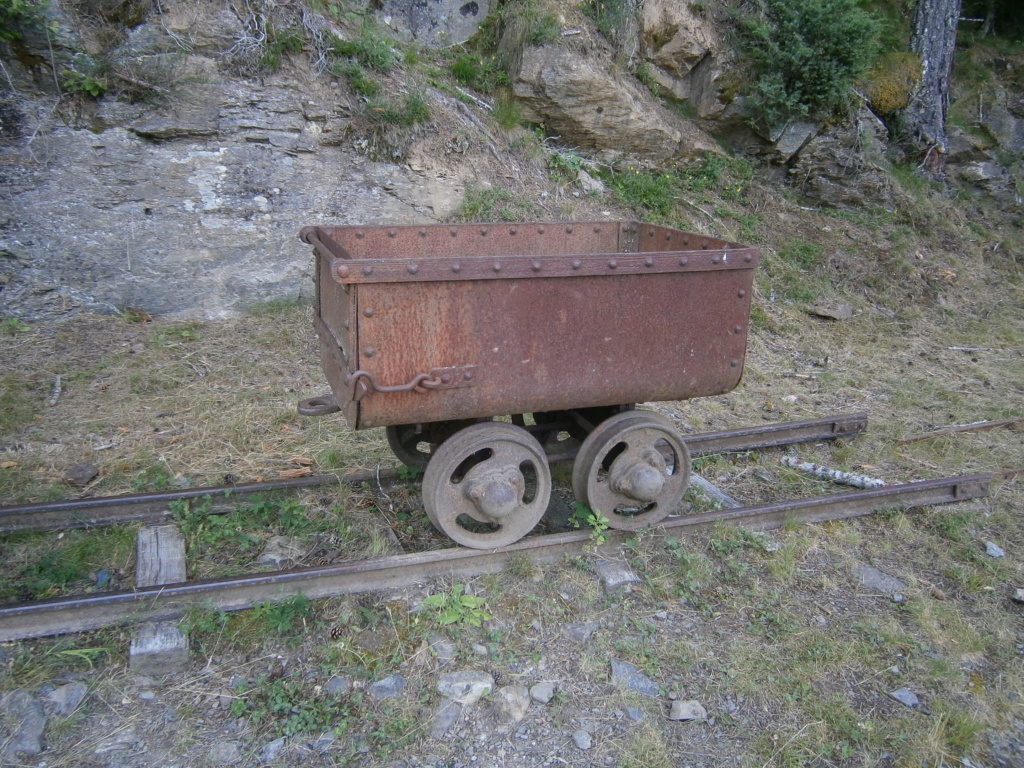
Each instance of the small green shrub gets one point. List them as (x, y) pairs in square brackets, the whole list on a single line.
[(456, 607), (371, 48), (17, 14), (804, 56), (507, 113), (494, 204), (414, 109), (479, 72), (358, 80), (584, 517), (611, 17), (12, 326), (289, 39)]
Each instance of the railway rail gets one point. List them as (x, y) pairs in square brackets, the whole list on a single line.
[(82, 613)]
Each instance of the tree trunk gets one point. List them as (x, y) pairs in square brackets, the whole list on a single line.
[(932, 38)]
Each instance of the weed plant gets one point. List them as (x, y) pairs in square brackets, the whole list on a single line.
[(494, 204)]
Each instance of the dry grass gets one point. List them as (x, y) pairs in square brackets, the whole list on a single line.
[(780, 627)]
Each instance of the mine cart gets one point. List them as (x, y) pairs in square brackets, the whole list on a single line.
[(432, 331)]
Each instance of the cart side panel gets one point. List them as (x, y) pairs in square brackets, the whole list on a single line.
[(549, 344), (475, 240)]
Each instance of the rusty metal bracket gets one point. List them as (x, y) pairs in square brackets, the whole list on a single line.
[(363, 382), (319, 406)]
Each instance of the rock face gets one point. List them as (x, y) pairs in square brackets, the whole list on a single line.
[(435, 23), (845, 165), (593, 108)]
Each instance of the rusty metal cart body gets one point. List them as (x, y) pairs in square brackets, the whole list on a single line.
[(432, 330)]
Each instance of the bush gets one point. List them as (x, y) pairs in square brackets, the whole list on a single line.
[(14, 14), (804, 56), (891, 80)]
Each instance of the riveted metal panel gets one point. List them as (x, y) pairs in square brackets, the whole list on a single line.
[(666, 321)]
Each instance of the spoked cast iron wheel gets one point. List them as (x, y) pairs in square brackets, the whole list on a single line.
[(414, 444), (633, 469), (487, 486)]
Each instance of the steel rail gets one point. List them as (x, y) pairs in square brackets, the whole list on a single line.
[(154, 506), (77, 614)]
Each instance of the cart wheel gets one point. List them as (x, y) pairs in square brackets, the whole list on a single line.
[(414, 444), (408, 444), (633, 469), (487, 486)]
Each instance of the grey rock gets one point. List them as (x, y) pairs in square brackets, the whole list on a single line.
[(687, 710), (324, 742), (25, 712), (225, 753), (994, 550), (119, 740), (793, 138), (445, 716), (636, 715), (270, 752), (442, 648), (906, 697), (581, 633), (437, 24), (81, 474), (387, 688), (480, 650), (511, 704), (592, 107), (147, 696), (466, 686), (589, 184), (583, 739), (872, 578), (542, 692), (845, 165), (1018, 595), (625, 675), (282, 551), (66, 698), (338, 685), (615, 575)]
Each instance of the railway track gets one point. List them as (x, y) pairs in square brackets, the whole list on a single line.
[(88, 612)]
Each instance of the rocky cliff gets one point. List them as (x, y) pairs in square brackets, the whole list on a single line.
[(176, 179)]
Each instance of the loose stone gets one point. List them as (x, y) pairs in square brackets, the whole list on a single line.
[(338, 685), (543, 692), (26, 712), (688, 710), (66, 698), (583, 740), (615, 576), (270, 752), (906, 697), (466, 686), (994, 550), (625, 675), (387, 688)]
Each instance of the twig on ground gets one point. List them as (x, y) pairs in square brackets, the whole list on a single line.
[(835, 475), (975, 426), (54, 392), (479, 102)]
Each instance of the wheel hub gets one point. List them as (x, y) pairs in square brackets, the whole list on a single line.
[(640, 479), (495, 492)]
